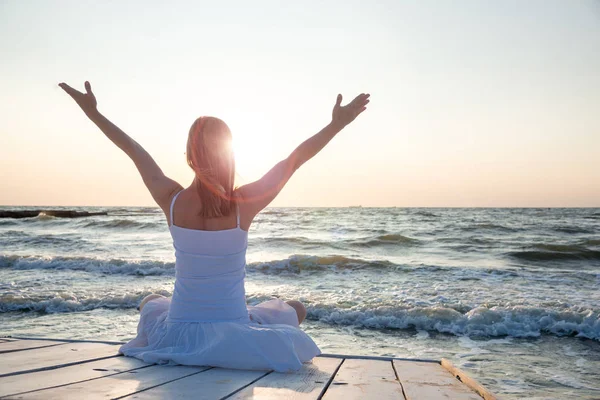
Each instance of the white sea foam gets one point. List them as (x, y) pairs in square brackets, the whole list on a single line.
[(478, 322)]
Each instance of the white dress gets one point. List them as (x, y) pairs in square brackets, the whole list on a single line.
[(207, 321)]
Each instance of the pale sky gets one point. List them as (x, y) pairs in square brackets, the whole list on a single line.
[(474, 103)]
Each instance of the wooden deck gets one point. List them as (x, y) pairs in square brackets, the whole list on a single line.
[(65, 369)]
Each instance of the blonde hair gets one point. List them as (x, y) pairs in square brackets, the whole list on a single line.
[(210, 155)]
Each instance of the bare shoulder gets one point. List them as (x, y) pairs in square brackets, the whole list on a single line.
[(165, 201), (247, 208)]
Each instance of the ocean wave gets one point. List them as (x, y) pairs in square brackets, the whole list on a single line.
[(573, 229), (487, 226), (384, 240), (299, 263), (294, 264), (21, 238), (557, 253), (426, 214), (11, 234), (591, 242), (291, 241), (368, 241), (123, 211), (562, 248), (93, 265), (120, 224), (276, 213), (66, 303), (460, 320), (39, 219), (477, 322)]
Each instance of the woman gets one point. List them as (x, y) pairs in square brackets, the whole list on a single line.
[(207, 321)]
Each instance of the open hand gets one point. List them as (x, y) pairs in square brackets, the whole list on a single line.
[(343, 115), (87, 101)]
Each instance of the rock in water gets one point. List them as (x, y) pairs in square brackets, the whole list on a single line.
[(52, 213)]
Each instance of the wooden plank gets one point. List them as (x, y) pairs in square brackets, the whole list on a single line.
[(54, 357), (16, 384), (216, 383), (117, 385), (429, 381), (380, 358), (66, 340), (307, 383), (19, 345), (364, 379), (467, 380)]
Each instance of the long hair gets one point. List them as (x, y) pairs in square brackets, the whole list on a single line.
[(210, 155)]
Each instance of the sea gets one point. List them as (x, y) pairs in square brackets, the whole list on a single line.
[(510, 295)]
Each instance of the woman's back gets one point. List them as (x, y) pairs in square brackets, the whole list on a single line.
[(210, 272), (185, 213)]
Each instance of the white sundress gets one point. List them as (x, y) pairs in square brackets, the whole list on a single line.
[(207, 322)]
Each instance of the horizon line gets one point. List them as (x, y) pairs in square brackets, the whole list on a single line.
[(357, 206)]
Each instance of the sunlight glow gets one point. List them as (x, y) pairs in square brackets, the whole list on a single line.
[(251, 156)]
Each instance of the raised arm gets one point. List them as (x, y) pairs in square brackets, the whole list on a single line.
[(161, 187), (257, 195)]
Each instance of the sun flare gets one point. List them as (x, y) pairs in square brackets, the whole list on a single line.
[(252, 154)]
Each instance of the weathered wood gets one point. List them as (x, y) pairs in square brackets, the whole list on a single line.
[(427, 381), (380, 358), (467, 380), (307, 383), (53, 357), (215, 383), (52, 369), (364, 379), (20, 345), (17, 384), (67, 340), (116, 386)]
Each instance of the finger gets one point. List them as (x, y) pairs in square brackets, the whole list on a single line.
[(358, 99), (72, 92), (363, 96), (88, 88), (359, 111), (338, 101), (362, 101)]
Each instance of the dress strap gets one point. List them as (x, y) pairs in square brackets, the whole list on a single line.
[(171, 208), (237, 213)]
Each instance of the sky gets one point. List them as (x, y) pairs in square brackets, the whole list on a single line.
[(475, 103)]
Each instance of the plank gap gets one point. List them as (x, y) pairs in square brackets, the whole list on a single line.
[(163, 383), (245, 386), (377, 358), (399, 381), (29, 348), (57, 366), (331, 378), (64, 340), (71, 383)]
